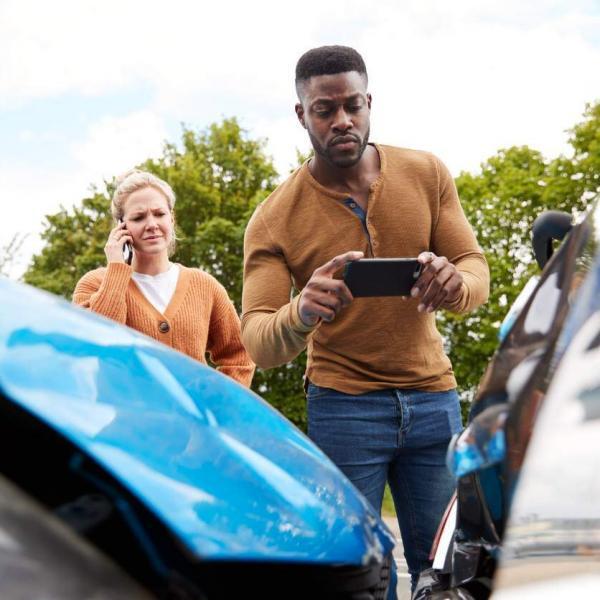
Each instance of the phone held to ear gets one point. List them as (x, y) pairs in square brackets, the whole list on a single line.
[(127, 250), (370, 277)]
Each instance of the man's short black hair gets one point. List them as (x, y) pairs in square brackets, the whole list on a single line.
[(329, 60)]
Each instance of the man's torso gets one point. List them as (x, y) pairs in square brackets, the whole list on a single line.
[(383, 342)]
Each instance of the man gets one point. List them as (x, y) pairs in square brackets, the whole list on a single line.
[(380, 390)]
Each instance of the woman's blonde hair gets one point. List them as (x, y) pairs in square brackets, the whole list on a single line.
[(135, 180)]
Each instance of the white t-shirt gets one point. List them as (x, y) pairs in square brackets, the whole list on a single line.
[(158, 289)]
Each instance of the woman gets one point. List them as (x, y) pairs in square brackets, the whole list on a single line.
[(184, 308)]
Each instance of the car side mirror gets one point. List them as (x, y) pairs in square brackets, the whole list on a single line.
[(481, 444), (549, 226)]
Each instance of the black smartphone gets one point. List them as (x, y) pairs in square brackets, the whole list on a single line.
[(369, 277), (127, 250)]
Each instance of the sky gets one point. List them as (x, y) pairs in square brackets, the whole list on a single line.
[(89, 89)]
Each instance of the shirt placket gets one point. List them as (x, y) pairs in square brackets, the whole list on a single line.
[(362, 215)]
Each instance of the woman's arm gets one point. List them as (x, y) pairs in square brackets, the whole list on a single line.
[(104, 291), (224, 345)]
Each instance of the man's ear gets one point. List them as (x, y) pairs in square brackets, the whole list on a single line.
[(300, 113)]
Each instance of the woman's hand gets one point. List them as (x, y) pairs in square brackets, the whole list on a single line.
[(117, 239)]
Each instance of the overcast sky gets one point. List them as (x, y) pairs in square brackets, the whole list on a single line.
[(88, 89)]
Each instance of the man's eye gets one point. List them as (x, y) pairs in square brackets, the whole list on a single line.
[(355, 107)]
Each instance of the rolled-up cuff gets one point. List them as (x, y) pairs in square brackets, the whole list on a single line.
[(296, 322), (457, 305)]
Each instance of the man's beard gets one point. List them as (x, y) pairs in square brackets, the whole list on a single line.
[(340, 161)]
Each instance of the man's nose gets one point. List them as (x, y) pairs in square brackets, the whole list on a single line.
[(342, 121)]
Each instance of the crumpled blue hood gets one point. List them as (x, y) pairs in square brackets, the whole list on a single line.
[(222, 469)]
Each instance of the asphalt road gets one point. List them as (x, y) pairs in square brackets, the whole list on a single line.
[(403, 576)]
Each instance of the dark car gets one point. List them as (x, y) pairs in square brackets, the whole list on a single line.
[(128, 470), (525, 522)]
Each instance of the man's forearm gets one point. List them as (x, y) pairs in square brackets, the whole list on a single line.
[(475, 287), (275, 338)]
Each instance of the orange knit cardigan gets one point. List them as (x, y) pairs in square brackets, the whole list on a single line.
[(199, 319)]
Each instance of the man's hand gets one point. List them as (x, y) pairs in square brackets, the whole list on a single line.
[(440, 282), (323, 296)]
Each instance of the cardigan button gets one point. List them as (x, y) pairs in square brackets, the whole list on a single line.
[(164, 327)]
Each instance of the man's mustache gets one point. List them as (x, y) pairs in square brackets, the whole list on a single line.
[(343, 139)]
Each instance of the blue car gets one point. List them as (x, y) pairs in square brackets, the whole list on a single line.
[(128, 470)]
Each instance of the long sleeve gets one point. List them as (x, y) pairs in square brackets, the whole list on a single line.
[(224, 344), (453, 238), (105, 295), (271, 327)]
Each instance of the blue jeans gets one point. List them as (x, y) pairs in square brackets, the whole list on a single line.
[(395, 435)]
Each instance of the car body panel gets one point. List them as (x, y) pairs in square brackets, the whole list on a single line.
[(544, 579), (222, 469)]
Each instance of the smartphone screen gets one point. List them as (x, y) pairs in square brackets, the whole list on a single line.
[(371, 277)]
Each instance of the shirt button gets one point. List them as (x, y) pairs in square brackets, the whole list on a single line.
[(352, 204), (163, 327)]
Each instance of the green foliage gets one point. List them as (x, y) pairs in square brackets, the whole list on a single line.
[(387, 507), (74, 243), (282, 387), (585, 139)]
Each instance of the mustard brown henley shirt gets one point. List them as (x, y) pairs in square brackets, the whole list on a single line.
[(374, 343)]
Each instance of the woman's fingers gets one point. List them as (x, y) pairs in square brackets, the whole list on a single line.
[(117, 238)]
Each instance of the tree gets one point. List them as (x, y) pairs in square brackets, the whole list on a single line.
[(9, 253), (585, 139), (74, 244)]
